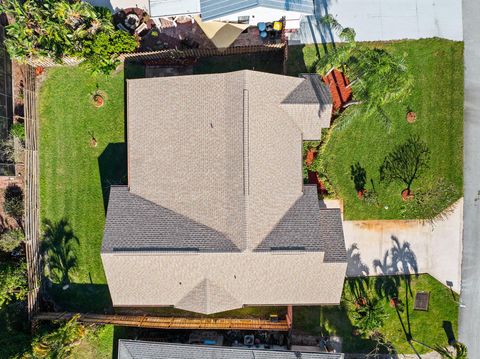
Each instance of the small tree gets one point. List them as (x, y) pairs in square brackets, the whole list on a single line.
[(406, 162), (369, 318), (10, 240), (13, 202)]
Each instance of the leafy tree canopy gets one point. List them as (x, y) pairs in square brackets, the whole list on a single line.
[(59, 28), (10, 240), (377, 76)]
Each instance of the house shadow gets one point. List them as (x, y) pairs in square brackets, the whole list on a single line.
[(112, 164)]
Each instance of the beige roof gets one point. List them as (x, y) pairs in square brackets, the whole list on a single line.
[(215, 282), (217, 159)]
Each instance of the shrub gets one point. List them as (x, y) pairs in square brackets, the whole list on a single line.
[(13, 282), (10, 240), (18, 130), (60, 28), (7, 150), (13, 202)]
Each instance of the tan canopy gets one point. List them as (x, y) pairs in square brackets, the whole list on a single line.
[(222, 34)]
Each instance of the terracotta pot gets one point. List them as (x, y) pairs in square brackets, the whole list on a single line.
[(39, 70), (98, 100), (360, 194), (407, 194), (411, 117)]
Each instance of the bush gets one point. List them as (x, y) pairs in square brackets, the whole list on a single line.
[(60, 28), (7, 150), (10, 240), (13, 202), (101, 52), (18, 130), (13, 282)]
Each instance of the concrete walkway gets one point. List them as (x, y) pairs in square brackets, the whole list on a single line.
[(437, 248), (382, 20)]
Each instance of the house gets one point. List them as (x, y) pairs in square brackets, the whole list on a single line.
[(215, 215), (249, 12), (135, 349), (254, 11)]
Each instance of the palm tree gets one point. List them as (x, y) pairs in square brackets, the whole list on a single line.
[(369, 317)]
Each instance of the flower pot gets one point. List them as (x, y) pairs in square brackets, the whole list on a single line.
[(411, 117), (407, 194), (361, 193), (98, 100)]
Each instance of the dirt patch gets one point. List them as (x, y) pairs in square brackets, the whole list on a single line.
[(6, 222)]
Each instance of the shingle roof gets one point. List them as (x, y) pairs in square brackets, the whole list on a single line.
[(215, 171), (214, 9), (132, 349), (307, 227), (136, 224)]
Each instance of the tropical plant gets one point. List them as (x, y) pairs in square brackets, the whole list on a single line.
[(13, 282), (58, 248), (13, 202), (60, 342), (10, 240), (7, 150), (458, 351), (377, 76), (406, 162), (101, 52), (369, 317), (55, 28), (18, 130)]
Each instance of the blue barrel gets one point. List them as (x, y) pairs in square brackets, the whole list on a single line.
[(261, 26), (263, 34)]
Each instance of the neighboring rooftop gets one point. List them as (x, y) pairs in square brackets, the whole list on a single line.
[(214, 9), (134, 349)]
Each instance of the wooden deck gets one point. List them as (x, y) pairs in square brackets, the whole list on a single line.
[(171, 322)]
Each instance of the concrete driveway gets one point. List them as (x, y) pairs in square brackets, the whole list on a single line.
[(438, 248), (382, 20)]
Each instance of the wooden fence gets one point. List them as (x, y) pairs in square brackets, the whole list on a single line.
[(32, 216), (171, 322), (168, 54)]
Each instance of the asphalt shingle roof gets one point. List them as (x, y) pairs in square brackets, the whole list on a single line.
[(131, 349), (136, 224)]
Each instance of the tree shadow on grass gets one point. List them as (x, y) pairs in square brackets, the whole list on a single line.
[(358, 174), (58, 248), (113, 168), (79, 297)]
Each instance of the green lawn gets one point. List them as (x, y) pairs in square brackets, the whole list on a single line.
[(70, 170), (437, 99), (426, 327)]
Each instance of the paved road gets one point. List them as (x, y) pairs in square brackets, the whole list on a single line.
[(469, 331), (386, 20)]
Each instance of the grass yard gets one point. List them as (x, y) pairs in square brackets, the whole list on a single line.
[(437, 99), (71, 170), (426, 327)]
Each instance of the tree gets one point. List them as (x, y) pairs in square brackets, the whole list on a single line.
[(406, 162), (369, 317), (59, 28), (377, 76), (58, 247), (13, 282), (13, 202), (60, 342), (10, 240)]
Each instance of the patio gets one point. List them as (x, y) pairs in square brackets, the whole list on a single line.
[(182, 32)]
